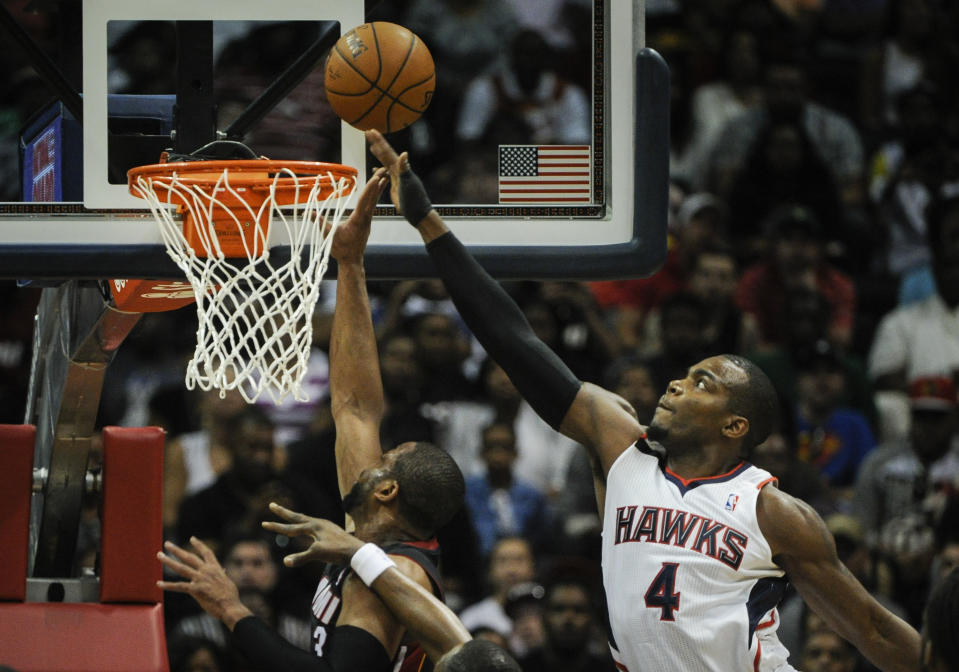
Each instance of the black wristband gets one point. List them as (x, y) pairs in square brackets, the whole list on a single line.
[(414, 201)]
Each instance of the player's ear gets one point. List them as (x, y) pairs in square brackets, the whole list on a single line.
[(736, 427), (386, 490)]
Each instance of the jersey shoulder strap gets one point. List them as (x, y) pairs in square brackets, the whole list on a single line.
[(424, 553)]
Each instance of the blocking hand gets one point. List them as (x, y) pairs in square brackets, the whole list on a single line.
[(206, 581), (349, 241), (406, 190), (331, 543)]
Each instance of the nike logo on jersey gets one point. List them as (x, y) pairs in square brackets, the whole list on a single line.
[(681, 529)]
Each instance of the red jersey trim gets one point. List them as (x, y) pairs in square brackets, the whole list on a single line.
[(686, 482), (771, 479)]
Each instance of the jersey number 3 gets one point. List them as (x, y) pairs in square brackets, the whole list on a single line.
[(662, 594)]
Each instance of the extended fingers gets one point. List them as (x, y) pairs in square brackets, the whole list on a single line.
[(205, 551), (290, 530), (371, 193), (176, 566), (297, 559), (183, 555), (287, 514), (383, 151), (177, 586)]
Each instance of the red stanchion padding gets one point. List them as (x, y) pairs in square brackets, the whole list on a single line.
[(16, 480), (82, 637), (132, 517)]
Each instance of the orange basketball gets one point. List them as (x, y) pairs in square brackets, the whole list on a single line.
[(380, 75)]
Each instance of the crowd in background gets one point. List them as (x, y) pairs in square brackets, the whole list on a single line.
[(814, 228)]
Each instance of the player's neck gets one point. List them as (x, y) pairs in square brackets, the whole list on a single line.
[(701, 461), (382, 530)]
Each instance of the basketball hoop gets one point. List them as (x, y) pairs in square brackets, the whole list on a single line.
[(255, 329)]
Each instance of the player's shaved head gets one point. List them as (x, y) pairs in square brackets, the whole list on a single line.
[(755, 399), (477, 655)]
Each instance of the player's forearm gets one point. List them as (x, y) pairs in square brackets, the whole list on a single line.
[(356, 389), (430, 621), (355, 384), (894, 645)]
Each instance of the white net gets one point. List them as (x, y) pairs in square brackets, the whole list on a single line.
[(255, 313)]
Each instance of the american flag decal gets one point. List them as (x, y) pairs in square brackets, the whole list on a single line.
[(545, 174)]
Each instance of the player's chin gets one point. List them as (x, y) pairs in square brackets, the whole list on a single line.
[(658, 428)]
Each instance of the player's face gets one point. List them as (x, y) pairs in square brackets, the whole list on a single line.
[(362, 491), (696, 408)]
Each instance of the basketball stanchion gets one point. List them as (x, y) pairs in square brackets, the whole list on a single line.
[(254, 307)]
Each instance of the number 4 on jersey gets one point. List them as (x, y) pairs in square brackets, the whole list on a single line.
[(662, 594)]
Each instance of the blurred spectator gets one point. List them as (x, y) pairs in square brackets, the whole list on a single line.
[(524, 606), (825, 651), (713, 279), (782, 166), (192, 461), (777, 455), (713, 104), (806, 321), (441, 349), (527, 87), (699, 223), (238, 499), (906, 171), (511, 563), (153, 357), (500, 504), (143, 57), (196, 654), (940, 648), (403, 391), (545, 452), (909, 50), (835, 140), (570, 620), (796, 259), (567, 318), (467, 39), (833, 438), (248, 562), (902, 488), (922, 338), (946, 560), (631, 379), (682, 323), (549, 18)]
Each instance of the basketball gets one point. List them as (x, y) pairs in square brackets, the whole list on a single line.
[(380, 75)]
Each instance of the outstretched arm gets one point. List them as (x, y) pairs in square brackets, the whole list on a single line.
[(804, 548), (355, 386), (586, 413), (359, 649), (431, 622)]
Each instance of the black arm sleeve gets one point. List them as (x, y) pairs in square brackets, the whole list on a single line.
[(355, 649), (502, 329)]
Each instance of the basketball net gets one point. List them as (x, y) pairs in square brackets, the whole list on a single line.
[(254, 311)]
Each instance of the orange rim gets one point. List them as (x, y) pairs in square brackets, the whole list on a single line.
[(255, 174)]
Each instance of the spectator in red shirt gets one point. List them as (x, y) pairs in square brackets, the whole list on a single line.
[(796, 260), (700, 222)]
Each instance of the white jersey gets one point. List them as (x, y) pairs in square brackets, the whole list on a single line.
[(690, 581)]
